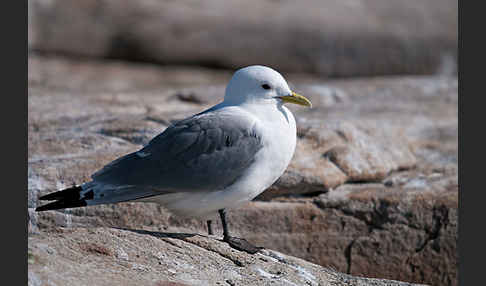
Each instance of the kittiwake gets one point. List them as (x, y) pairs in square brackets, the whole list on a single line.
[(209, 162)]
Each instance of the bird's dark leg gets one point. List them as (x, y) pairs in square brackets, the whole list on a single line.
[(235, 242), (210, 228), (222, 215)]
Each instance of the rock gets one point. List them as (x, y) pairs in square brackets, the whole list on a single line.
[(330, 38), (372, 189), (408, 231), (80, 256), (92, 75)]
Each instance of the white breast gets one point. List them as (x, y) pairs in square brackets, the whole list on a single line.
[(277, 126), (279, 137)]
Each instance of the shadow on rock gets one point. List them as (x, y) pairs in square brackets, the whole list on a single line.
[(160, 234)]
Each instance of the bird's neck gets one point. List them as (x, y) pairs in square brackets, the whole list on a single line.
[(271, 113)]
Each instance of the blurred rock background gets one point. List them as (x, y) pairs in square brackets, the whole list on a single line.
[(372, 189), (330, 38)]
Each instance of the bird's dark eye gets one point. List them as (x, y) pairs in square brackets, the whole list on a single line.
[(265, 86)]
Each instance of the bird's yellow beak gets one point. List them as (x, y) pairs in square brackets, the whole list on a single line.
[(296, 99)]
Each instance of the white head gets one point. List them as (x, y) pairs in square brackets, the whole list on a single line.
[(261, 84)]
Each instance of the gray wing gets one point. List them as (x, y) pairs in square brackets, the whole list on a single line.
[(205, 152)]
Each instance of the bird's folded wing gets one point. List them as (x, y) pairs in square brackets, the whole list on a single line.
[(205, 152)]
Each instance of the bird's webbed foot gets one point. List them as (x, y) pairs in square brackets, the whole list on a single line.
[(237, 243), (241, 244)]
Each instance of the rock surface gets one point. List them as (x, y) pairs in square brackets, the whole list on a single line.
[(372, 189), (331, 38), (108, 256)]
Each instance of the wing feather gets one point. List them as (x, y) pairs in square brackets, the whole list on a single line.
[(206, 152)]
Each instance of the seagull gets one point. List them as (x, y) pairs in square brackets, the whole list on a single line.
[(207, 163)]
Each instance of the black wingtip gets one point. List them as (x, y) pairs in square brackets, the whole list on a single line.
[(61, 205), (69, 193), (42, 208), (51, 196), (67, 198)]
